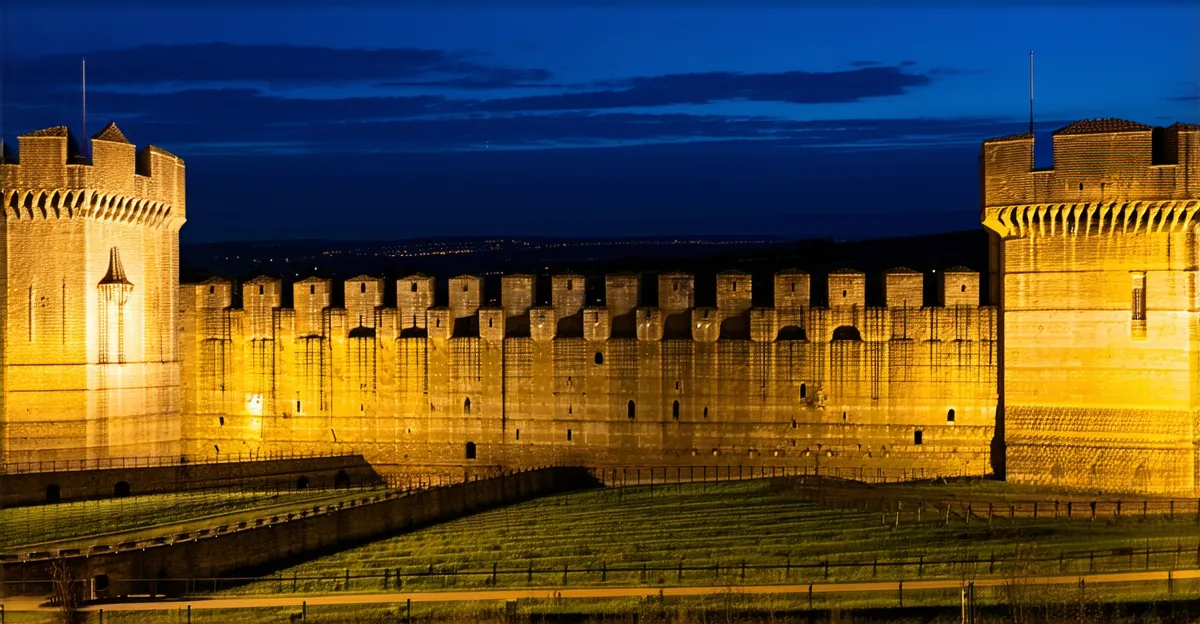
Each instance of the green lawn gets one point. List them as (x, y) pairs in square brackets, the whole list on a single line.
[(110, 521), (725, 525)]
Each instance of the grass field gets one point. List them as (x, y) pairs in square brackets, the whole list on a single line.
[(109, 521), (700, 526)]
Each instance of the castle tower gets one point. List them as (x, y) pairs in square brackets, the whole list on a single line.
[(90, 361), (1095, 262)]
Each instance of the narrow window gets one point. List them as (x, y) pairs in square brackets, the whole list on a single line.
[(843, 293), (570, 409), (570, 284), (1139, 296), (211, 289), (221, 419), (260, 289), (675, 410), (964, 288), (413, 288), (297, 405), (598, 358), (470, 450), (1081, 186), (489, 321), (793, 286), (918, 436), (518, 434), (568, 435), (467, 406), (706, 411), (466, 287), (950, 416), (803, 391), (674, 285), (676, 384), (312, 289), (362, 288), (734, 285), (632, 409)]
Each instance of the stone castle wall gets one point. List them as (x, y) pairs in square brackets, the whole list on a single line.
[(889, 390), (1095, 261), (91, 265)]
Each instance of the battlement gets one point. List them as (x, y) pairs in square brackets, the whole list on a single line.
[(49, 178), (1097, 162), (734, 317)]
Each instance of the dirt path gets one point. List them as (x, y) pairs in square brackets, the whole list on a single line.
[(295, 600)]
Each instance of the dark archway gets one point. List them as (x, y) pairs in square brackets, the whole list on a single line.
[(100, 583), (632, 409), (803, 391), (122, 489), (950, 415), (302, 483), (53, 493), (791, 332), (675, 410), (598, 358), (846, 332), (470, 450), (467, 406), (341, 480)]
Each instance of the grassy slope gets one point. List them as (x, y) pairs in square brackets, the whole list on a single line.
[(723, 524)]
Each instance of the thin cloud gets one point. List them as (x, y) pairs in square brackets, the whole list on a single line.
[(226, 63)]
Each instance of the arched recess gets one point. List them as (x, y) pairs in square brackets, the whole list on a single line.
[(791, 332), (675, 410), (631, 408), (846, 332), (470, 450)]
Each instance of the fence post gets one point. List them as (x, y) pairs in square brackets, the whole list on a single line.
[(493, 574), (810, 595), (901, 593), (565, 574), (604, 572)]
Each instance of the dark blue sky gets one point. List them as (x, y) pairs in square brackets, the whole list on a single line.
[(386, 120)]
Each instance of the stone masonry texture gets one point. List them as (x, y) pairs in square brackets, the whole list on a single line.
[(1085, 375)]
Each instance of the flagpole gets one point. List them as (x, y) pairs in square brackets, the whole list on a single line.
[(86, 147)]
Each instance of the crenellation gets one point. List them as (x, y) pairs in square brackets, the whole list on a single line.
[(518, 293), (958, 286), (567, 293), (792, 290), (363, 297), (466, 295), (622, 292), (903, 288), (676, 292)]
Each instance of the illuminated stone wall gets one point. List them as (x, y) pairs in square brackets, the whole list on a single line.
[(90, 366), (846, 386), (1095, 261)]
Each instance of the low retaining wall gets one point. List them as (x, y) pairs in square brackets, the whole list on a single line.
[(33, 488), (135, 568)]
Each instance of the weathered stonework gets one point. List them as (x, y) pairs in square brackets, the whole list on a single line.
[(90, 299), (846, 386), (1095, 261)]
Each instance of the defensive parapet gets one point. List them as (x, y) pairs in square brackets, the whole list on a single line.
[(1095, 262), (48, 179), (1105, 174), (90, 297)]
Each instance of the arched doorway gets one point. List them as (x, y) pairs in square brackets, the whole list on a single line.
[(341, 480), (302, 483), (632, 409), (53, 493), (122, 489), (470, 450)]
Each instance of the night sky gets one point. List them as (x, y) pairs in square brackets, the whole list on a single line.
[(375, 120)]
